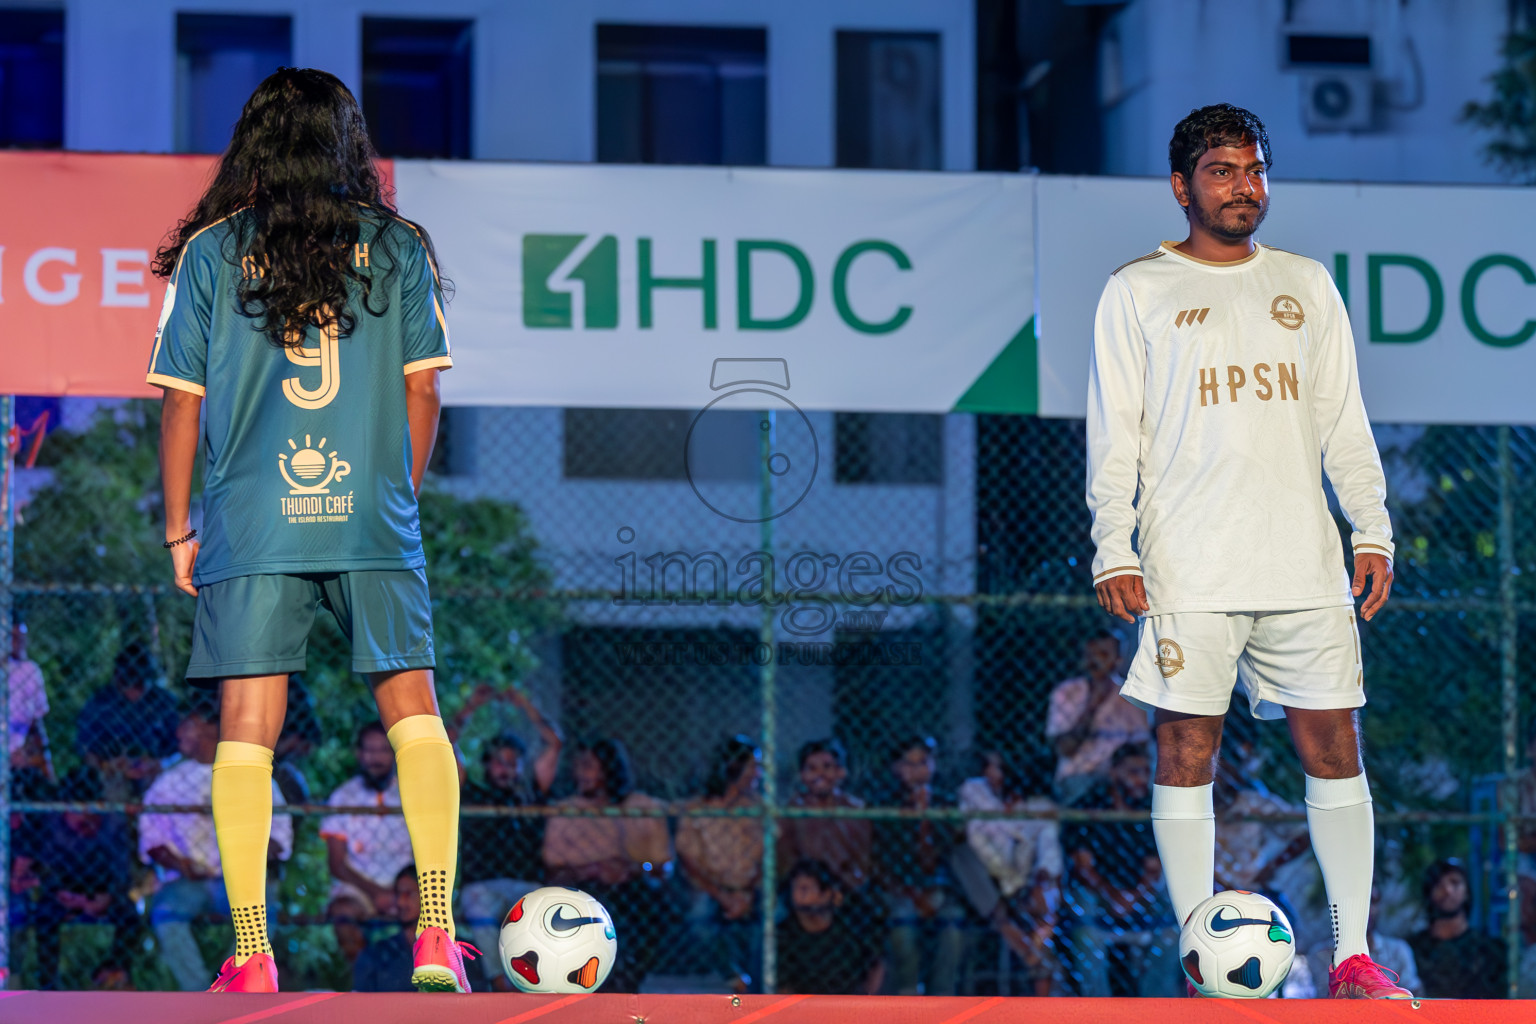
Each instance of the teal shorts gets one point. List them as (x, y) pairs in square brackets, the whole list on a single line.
[(260, 625)]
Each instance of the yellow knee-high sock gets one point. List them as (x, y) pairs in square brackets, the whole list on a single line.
[(242, 819), (429, 798)]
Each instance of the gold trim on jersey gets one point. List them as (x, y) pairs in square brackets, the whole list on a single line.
[(167, 381), (1149, 256), (1169, 247), (429, 363), (1372, 547), (1119, 568)]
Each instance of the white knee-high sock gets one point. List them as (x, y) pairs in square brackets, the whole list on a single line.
[(1343, 828), (1184, 824)]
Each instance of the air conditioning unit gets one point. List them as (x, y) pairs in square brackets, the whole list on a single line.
[(1338, 100)]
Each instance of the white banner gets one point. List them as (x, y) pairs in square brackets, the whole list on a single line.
[(622, 286), (1439, 281)]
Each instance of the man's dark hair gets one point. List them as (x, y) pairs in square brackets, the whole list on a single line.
[(301, 165), (732, 757), (370, 727), (618, 775), (1438, 870), (409, 871), (1125, 751), (1099, 635), (827, 746), (927, 744), (813, 869), (201, 708), (503, 741), (1220, 124), (135, 665)]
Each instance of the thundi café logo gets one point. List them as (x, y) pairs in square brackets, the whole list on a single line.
[(572, 282)]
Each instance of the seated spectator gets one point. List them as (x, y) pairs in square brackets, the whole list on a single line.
[(1088, 720), (348, 917), (1525, 784), (501, 858), (1017, 889), (299, 738), (622, 861), (185, 851), (1114, 897), (29, 705), (722, 858), (112, 976), (924, 914), (386, 964), (845, 845), (126, 728), (365, 852), (1454, 961), (83, 864), (1527, 972), (819, 951)]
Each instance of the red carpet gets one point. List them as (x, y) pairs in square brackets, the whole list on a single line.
[(346, 1008)]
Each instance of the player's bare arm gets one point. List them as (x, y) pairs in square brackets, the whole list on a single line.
[(179, 416), (423, 403)]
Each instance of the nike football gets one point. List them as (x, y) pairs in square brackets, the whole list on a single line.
[(1237, 945), (557, 939)]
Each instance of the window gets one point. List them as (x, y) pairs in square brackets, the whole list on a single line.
[(31, 79), (653, 444), (220, 59), (673, 94), (888, 99), (889, 448), (417, 88)]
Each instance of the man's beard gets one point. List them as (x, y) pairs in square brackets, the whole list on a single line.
[(1221, 223), (378, 783)]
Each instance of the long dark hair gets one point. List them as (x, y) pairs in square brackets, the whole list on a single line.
[(731, 759), (302, 165)]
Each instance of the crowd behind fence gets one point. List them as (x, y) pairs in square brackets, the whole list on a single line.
[(903, 682)]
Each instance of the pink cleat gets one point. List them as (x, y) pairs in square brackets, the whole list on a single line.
[(1360, 977), (440, 962), (257, 974)]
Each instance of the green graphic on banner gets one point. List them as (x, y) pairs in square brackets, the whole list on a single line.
[(1011, 382), (547, 293)]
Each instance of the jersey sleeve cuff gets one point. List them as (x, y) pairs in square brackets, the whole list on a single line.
[(1365, 544), (1128, 569), (430, 363), (162, 380)]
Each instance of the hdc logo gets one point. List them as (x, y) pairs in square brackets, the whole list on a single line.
[(571, 282)]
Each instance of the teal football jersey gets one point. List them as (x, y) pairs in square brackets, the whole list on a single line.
[(307, 450)]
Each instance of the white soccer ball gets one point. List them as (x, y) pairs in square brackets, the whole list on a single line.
[(1237, 945), (557, 939)]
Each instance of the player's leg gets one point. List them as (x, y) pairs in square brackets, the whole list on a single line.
[(388, 615), (1308, 663), (1183, 811), (251, 711), (251, 632), (1184, 669)]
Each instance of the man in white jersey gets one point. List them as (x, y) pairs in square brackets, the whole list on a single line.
[(1222, 387)]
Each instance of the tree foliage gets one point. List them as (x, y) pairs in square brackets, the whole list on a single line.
[(1510, 114)]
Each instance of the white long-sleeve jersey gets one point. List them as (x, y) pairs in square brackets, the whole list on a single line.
[(1218, 394)]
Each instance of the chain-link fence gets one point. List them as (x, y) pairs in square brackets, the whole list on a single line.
[(657, 633)]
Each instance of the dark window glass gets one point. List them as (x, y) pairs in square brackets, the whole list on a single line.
[(31, 79), (673, 94), (888, 98), (220, 59), (889, 448), (653, 444), (417, 86)]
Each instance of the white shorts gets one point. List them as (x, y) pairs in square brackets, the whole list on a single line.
[(1189, 661)]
